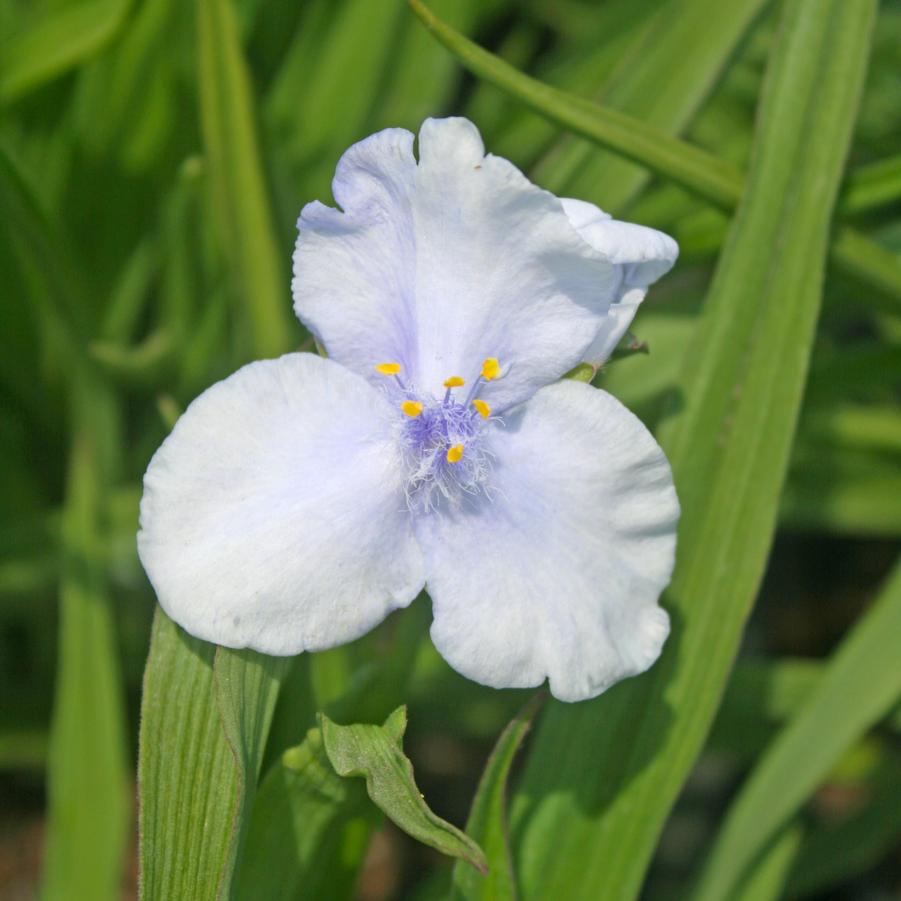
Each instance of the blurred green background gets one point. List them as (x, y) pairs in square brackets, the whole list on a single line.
[(149, 186)]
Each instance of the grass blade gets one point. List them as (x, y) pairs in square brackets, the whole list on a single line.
[(603, 775), (659, 83), (487, 823), (57, 44), (256, 263), (860, 686), (88, 810)]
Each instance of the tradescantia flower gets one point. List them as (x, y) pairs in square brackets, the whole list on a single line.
[(301, 500)]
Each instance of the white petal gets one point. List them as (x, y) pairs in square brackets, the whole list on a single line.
[(642, 255), (445, 263), (558, 574), (273, 516)]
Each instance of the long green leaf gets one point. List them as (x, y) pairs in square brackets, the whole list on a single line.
[(658, 83), (603, 775), (766, 880), (702, 173), (87, 773), (57, 43), (859, 687), (237, 185), (487, 823), (376, 752), (205, 717)]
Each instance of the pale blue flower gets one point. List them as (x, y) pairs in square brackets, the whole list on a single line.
[(301, 500)]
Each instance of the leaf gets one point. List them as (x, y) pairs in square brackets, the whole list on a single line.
[(237, 187), (658, 83), (205, 717), (839, 851), (766, 880), (487, 823), (376, 752), (859, 687), (308, 831), (603, 775), (87, 773), (702, 173), (56, 43)]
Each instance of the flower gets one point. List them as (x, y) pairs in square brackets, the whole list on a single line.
[(301, 500)]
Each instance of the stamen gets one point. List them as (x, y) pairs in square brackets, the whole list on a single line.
[(491, 369), (455, 453), (454, 382), (388, 368), (482, 407), (411, 408)]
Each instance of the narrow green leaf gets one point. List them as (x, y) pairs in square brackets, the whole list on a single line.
[(872, 186), (87, 777), (839, 851), (766, 880), (658, 83), (603, 775), (308, 831), (702, 173), (237, 185), (205, 717), (376, 752), (60, 41), (487, 823), (859, 687)]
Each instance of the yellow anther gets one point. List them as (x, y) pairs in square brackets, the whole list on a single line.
[(412, 408), (455, 453), (388, 368), (491, 369), (482, 407), (454, 382)]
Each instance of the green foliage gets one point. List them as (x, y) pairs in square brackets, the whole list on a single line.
[(376, 753), (860, 685), (308, 831), (204, 723), (487, 821), (153, 160)]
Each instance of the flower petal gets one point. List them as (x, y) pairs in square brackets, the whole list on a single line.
[(642, 255), (557, 574), (273, 516), (444, 264)]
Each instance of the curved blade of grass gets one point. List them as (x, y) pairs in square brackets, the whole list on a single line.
[(57, 43), (487, 823), (861, 684), (204, 720), (715, 180), (251, 252), (657, 82), (376, 752), (603, 775)]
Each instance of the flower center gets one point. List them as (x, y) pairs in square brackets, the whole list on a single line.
[(441, 440)]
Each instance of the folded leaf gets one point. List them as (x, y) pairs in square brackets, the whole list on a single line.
[(376, 752)]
